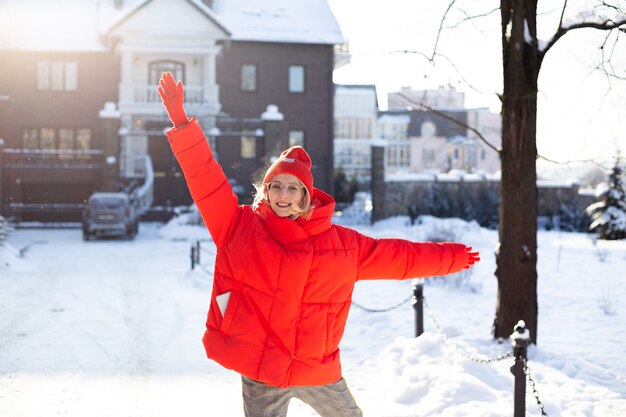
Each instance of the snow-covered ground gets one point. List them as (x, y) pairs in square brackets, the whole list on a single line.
[(112, 328)]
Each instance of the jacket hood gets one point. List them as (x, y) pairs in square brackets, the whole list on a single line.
[(286, 230)]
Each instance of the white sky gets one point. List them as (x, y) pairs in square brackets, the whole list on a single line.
[(580, 116)]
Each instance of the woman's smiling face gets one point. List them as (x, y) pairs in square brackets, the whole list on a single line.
[(285, 194)]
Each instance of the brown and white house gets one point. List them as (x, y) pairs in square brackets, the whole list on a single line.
[(79, 110)]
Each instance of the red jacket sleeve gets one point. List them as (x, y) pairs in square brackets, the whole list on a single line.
[(400, 259), (207, 183)]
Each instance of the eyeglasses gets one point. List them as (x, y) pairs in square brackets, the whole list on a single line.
[(276, 188)]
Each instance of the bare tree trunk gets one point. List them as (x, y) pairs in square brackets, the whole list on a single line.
[(516, 259)]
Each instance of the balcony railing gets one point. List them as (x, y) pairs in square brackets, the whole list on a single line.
[(148, 94), (52, 158)]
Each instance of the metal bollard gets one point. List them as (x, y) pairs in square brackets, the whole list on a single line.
[(520, 340), (193, 257), (418, 305)]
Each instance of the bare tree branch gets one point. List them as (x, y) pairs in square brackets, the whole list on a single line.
[(468, 17), (443, 19), (561, 31), (572, 161), (562, 14), (610, 72), (458, 72)]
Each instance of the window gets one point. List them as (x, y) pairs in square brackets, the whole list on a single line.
[(296, 79), (46, 141), (71, 76), (342, 128), (428, 155), (363, 128), (296, 138), (83, 139), (248, 77), (398, 155), (157, 68), (248, 146), (395, 131), (353, 128), (48, 138), (428, 129), (66, 142), (57, 76), (30, 139)]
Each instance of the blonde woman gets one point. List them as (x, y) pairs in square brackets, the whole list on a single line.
[(284, 274)]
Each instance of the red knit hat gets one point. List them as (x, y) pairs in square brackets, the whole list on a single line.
[(294, 161)]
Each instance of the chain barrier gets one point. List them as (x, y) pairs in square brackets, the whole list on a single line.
[(457, 349), (196, 249), (382, 310), (531, 381)]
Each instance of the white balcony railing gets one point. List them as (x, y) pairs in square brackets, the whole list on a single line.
[(148, 94), (138, 99)]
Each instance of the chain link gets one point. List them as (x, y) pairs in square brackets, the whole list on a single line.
[(460, 351), (382, 310), (531, 381)]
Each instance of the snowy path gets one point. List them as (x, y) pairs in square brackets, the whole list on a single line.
[(112, 328), (105, 328)]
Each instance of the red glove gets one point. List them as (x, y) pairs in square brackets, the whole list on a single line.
[(172, 94), (472, 257)]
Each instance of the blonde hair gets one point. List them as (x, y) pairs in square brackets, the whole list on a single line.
[(305, 207)]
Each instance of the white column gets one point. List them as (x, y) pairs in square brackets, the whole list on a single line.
[(208, 78), (126, 77)]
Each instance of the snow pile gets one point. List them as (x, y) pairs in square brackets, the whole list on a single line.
[(186, 225)]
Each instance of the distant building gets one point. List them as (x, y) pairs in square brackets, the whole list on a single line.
[(356, 125), (441, 136), (79, 110)]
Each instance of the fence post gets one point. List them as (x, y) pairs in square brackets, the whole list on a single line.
[(520, 339), (198, 252), (193, 257), (418, 305)]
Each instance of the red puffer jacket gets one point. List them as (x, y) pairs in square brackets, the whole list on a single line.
[(289, 282)]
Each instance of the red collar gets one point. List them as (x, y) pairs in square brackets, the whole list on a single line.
[(286, 230)]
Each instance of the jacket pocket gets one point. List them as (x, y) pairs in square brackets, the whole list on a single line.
[(233, 301)]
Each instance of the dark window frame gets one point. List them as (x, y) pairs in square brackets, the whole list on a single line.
[(56, 138), (49, 85), (255, 88), (304, 71), (303, 144), (156, 69)]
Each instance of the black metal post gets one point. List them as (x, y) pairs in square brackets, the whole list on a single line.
[(418, 305), (193, 257), (520, 339), (198, 252)]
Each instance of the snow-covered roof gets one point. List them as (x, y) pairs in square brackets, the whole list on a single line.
[(395, 118), (289, 21), (78, 25), (111, 17), (557, 183)]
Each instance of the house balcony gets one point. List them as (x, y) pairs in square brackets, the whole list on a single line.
[(144, 100)]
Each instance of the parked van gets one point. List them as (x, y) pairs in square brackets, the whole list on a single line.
[(110, 214)]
